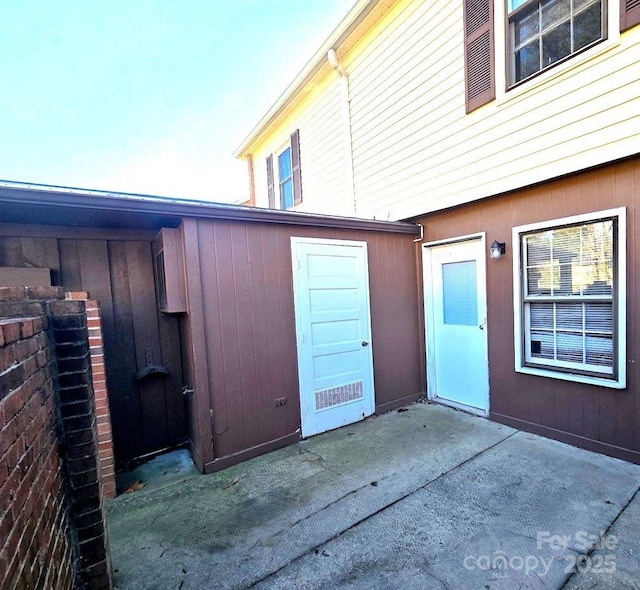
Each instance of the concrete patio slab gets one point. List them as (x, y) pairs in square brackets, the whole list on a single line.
[(428, 497), (159, 472)]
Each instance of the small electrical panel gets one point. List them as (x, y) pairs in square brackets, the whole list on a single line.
[(169, 270)]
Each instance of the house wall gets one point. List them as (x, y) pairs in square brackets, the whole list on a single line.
[(597, 418), (415, 150), (243, 339), (115, 268), (323, 153)]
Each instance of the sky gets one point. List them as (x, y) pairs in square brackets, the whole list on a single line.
[(143, 96)]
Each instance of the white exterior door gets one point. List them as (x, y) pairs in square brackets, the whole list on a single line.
[(335, 361), (456, 324)]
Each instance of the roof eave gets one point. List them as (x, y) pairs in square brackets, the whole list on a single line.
[(128, 204), (341, 33)]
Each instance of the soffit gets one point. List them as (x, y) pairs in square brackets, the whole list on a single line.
[(363, 17)]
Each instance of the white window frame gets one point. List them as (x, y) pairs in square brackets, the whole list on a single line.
[(619, 380), (276, 174)]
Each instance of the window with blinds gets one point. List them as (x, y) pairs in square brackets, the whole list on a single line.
[(569, 297)]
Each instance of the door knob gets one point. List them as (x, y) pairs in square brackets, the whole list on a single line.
[(481, 326), (365, 343)]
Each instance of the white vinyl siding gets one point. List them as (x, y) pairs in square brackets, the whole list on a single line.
[(415, 150), (322, 154)]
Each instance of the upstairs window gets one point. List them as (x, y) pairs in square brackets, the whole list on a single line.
[(571, 299), (285, 182), (540, 35), (543, 33), (285, 179)]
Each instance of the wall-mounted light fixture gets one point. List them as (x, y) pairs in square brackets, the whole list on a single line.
[(497, 249)]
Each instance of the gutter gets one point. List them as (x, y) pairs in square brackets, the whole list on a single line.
[(37, 195), (355, 17)]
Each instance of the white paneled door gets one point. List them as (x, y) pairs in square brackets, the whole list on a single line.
[(456, 324), (335, 360)]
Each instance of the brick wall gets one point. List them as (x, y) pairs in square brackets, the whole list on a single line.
[(71, 364), (35, 547), (99, 377)]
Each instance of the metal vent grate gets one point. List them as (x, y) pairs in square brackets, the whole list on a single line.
[(326, 398)]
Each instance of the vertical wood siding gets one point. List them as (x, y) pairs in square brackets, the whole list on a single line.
[(247, 299), (118, 273), (194, 351), (556, 408)]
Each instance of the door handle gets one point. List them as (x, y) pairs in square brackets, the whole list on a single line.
[(365, 343), (481, 326)]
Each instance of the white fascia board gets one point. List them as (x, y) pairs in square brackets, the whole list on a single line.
[(354, 17)]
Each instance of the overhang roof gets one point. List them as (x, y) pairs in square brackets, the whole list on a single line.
[(64, 206), (358, 21)]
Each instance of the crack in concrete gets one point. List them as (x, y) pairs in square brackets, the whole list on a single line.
[(157, 516), (604, 534), (374, 513), (437, 579), (321, 460)]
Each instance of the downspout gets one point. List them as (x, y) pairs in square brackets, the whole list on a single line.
[(252, 181), (334, 62)]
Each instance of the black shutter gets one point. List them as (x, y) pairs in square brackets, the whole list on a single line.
[(271, 191), (479, 58), (629, 14), (295, 167)]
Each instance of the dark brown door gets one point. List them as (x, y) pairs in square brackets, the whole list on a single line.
[(147, 408)]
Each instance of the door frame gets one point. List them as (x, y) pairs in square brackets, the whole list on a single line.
[(302, 378), (429, 332)]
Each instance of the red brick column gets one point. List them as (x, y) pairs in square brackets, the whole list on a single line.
[(79, 433), (98, 372)]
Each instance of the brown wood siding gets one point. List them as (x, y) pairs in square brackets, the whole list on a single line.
[(599, 418), (248, 314), (194, 350), (117, 270)]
